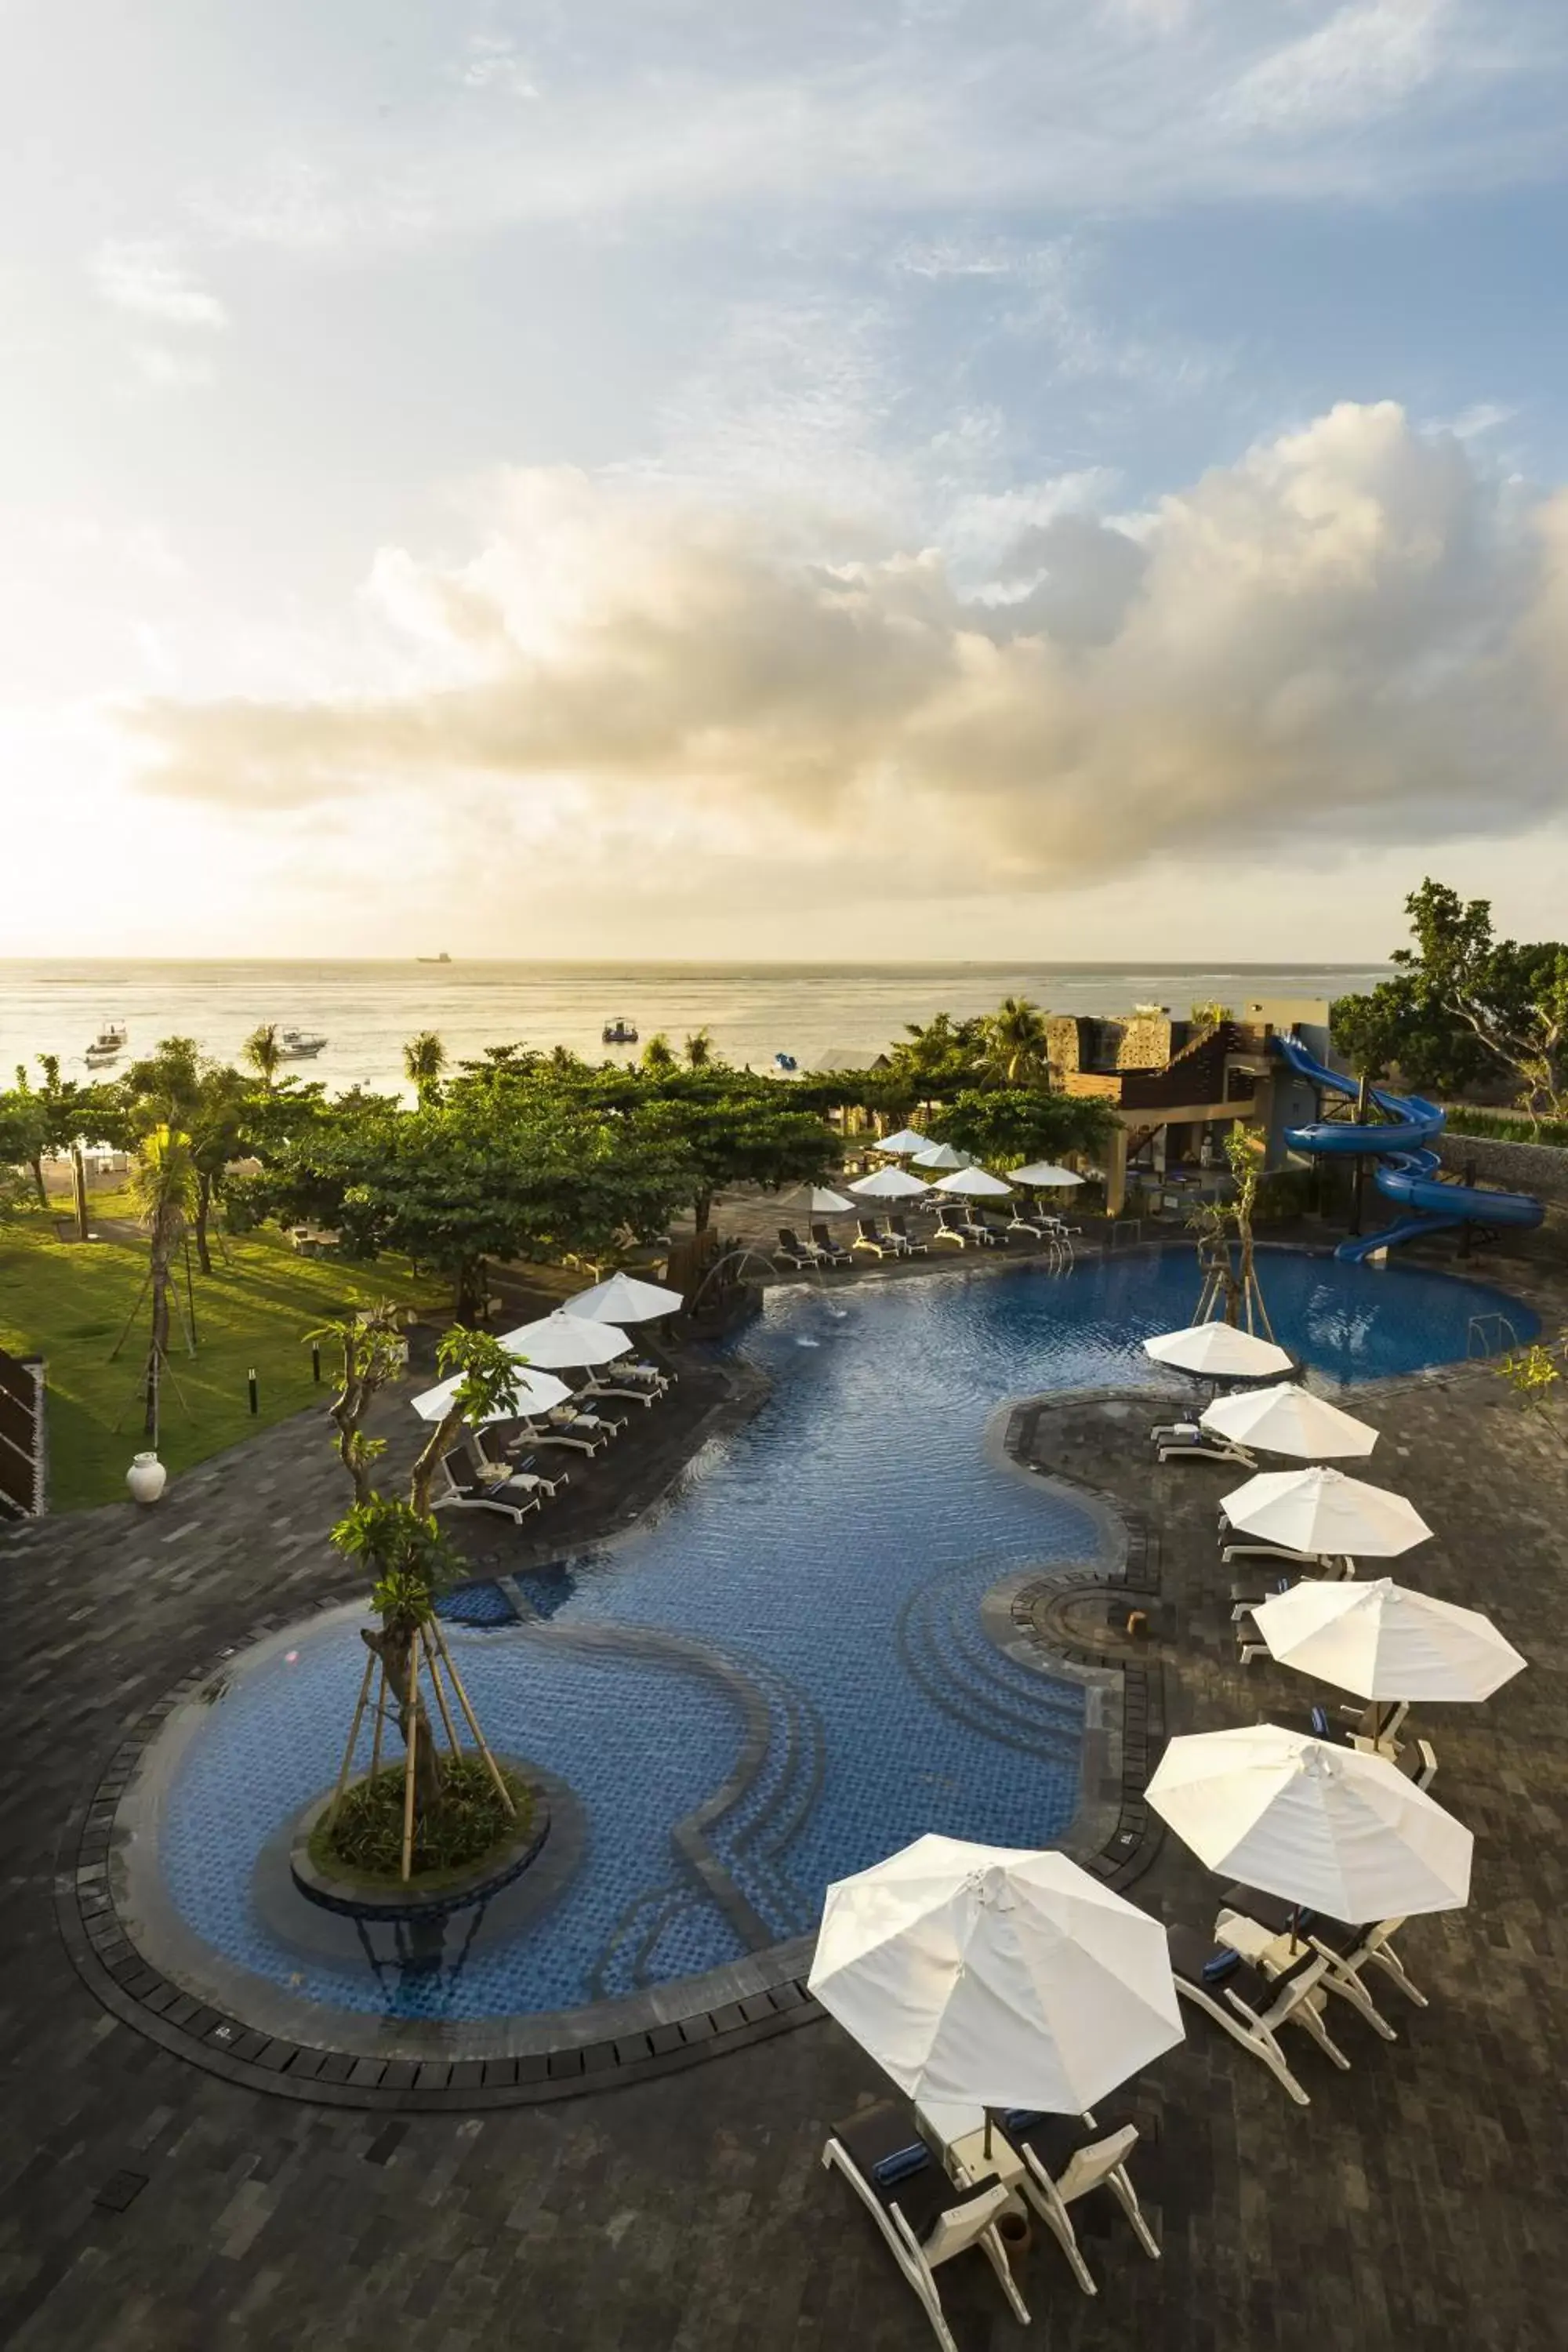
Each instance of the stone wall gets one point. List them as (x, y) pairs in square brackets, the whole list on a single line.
[(1538, 1168)]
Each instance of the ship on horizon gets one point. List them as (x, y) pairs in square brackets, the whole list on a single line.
[(442, 958)]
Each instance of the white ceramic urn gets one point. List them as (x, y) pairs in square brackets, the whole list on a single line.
[(146, 1477)]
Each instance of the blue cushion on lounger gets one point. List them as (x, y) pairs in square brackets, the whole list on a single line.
[(901, 2163), (1320, 1723), (1022, 2119), (1224, 1964)]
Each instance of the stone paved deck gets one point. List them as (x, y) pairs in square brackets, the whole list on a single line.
[(144, 2204)]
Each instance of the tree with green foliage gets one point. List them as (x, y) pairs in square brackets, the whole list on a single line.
[(698, 1050), (937, 1058), (264, 1051), (1006, 1126), (164, 1187), (1225, 1240), (1210, 1015), (23, 1141), (726, 1127), (1019, 1043), (1464, 1005), (423, 1059), (59, 1112), (211, 1104), (657, 1055), (405, 1551)]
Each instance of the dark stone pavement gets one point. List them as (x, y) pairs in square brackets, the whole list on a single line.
[(1416, 2203)]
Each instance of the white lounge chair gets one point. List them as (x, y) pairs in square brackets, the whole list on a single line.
[(1179, 1440), (465, 1490), (578, 1434), (897, 2175), (1063, 2161), (1346, 1950), (1251, 2006)]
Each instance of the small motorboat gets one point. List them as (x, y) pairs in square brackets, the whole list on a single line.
[(108, 1045), (299, 1045), (619, 1032), (785, 1062)]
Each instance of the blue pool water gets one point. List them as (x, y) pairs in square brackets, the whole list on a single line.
[(806, 1602)]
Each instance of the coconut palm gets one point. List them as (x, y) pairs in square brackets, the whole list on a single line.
[(699, 1049), (263, 1053), (1019, 1041), (657, 1055), (423, 1059), (164, 1186)]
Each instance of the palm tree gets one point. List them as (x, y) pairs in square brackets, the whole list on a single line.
[(657, 1055), (164, 1187), (263, 1052), (423, 1059), (699, 1050), (1019, 1039)]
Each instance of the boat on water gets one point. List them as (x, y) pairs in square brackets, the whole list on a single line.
[(299, 1045), (442, 958), (108, 1045), (619, 1032)]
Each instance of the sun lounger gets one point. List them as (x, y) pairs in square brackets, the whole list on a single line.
[(1251, 2006), (868, 1236), (1379, 1721), (465, 1490), (1064, 2158), (833, 1252), (898, 1227), (1184, 1440), (1349, 1949), (525, 1471), (584, 1438), (950, 1229), (791, 1246), (925, 2221), (992, 1236)]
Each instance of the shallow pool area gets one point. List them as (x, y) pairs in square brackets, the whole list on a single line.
[(783, 1674)]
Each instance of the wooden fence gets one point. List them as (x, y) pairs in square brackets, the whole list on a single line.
[(24, 1453)]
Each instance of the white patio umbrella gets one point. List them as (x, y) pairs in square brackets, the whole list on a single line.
[(1321, 1510), (1321, 1826), (536, 1392), (824, 1202), (942, 1155), (1290, 1420), (888, 1184), (994, 1977), (1219, 1351), (908, 1139), (622, 1298), (1381, 1641), (1042, 1173), (975, 1183), (562, 1338)]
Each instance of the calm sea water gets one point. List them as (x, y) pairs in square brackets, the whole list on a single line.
[(367, 1010)]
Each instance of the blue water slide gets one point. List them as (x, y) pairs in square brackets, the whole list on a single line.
[(1408, 1171)]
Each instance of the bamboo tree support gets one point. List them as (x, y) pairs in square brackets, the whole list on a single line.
[(380, 1721), (453, 1742), (501, 1789), (349, 1750), (413, 1742)]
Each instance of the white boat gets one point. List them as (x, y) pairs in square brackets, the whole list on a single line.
[(299, 1045), (108, 1045)]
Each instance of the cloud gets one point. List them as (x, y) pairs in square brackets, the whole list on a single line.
[(147, 279), (1363, 63), (162, 369), (1353, 635)]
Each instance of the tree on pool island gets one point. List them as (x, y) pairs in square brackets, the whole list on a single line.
[(1225, 1253), (440, 1806)]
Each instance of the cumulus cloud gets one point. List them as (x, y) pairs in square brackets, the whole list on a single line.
[(149, 279), (1353, 634)]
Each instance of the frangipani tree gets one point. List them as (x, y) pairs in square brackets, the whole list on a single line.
[(1225, 1253), (410, 1560)]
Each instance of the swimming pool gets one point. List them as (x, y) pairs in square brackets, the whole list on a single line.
[(784, 1673)]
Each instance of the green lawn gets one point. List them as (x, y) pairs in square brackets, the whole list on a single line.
[(68, 1302)]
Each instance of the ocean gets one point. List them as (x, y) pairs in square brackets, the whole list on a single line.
[(367, 1010)]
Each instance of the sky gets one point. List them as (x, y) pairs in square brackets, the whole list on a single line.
[(954, 478)]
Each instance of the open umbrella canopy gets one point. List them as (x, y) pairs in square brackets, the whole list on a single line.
[(622, 1298), (1219, 1350), (1041, 1171), (888, 1184), (1321, 1510), (536, 1392), (942, 1155), (908, 1139), (1318, 1824), (978, 1183), (562, 1338), (1290, 1420), (1381, 1641), (992, 1975), (823, 1202)]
